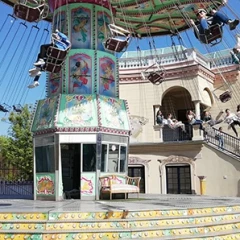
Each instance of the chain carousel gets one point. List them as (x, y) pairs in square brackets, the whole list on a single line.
[(82, 129)]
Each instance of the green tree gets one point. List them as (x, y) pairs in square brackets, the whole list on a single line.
[(4, 141), (17, 150)]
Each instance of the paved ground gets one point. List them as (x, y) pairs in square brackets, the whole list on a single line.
[(145, 202)]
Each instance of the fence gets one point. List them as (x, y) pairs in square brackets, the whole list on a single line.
[(225, 142), (16, 189), (177, 134)]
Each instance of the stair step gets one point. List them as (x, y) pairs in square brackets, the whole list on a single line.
[(163, 218), (170, 213), (135, 233), (226, 235), (118, 224)]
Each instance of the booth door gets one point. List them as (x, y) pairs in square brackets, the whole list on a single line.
[(71, 169)]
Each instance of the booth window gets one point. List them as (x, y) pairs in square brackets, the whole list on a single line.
[(114, 158), (104, 158), (123, 158), (44, 159), (89, 157)]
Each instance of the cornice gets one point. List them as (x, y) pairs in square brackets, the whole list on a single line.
[(154, 148), (184, 70)]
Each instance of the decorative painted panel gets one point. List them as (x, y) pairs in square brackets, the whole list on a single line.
[(54, 84), (44, 116), (45, 184), (81, 72), (81, 20), (102, 30), (88, 184), (106, 74), (77, 111), (113, 113)]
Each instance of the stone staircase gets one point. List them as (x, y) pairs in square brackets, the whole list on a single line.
[(214, 223), (231, 144)]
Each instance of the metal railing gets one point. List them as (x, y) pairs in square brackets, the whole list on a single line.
[(223, 141), (177, 134)]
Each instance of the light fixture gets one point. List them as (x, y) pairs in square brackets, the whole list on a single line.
[(114, 148)]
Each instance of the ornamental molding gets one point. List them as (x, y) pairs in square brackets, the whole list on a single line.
[(176, 159), (139, 161)]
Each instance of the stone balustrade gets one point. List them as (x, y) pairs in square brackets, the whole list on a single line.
[(165, 59)]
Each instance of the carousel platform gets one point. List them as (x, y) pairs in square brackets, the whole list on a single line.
[(149, 217)]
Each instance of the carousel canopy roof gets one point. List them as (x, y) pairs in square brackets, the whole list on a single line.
[(150, 17)]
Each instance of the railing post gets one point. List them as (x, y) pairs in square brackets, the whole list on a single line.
[(197, 133)]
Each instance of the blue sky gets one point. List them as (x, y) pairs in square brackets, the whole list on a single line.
[(19, 45)]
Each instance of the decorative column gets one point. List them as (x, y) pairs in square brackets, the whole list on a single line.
[(202, 184), (197, 133), (197, 109)]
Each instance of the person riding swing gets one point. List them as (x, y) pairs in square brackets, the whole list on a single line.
[(59, 41), (209, 26)]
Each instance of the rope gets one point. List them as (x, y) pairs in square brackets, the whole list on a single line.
[(9, 30), (7, 51), (32, 60), (10, 62), (9, 15)]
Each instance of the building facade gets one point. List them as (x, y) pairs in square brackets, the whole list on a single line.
[(171, 161)]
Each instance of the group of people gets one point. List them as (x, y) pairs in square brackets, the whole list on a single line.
[(231, 119), (59, 41), (206, 20), (191, 118)]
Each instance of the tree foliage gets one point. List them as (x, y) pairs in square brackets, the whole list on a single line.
[(17, 148)]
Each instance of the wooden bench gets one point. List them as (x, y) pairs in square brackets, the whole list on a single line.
[(119, 184)]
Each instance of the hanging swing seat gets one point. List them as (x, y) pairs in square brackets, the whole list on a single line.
[(119, 40), (226, 96), (155, 77), (214, 37), (55, 58), (31, 14), (4, 108), (56, 53), (116, 45), (52, 67), (17, 108)]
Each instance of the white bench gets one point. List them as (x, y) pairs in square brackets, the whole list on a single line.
[(119, 184)]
